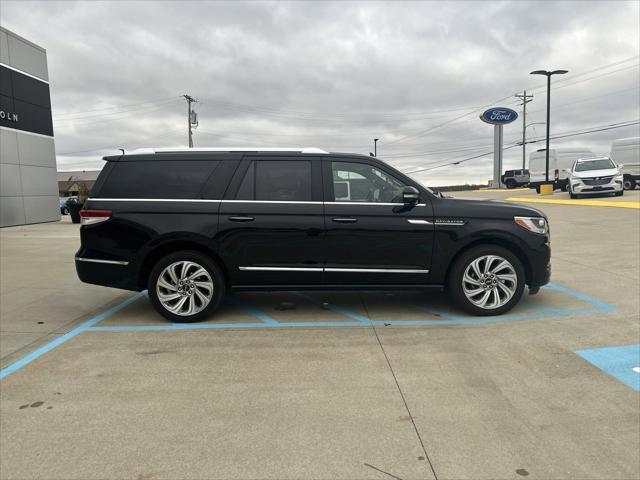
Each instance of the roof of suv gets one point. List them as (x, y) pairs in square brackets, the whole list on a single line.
[(181, 150)]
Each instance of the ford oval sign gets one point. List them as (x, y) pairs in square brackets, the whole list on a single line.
[(499, 116)]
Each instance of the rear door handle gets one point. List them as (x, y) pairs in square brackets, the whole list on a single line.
[(345, 220), (241, 219)]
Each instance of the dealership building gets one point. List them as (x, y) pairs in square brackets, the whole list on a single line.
[(28, 180)]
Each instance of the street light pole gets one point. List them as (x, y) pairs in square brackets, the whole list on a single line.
[(548, 74), (375, 147)]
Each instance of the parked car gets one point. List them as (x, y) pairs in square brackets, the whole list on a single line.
[(65, 203), (64, 210), (515, 178), (595, 176), (626, 151), (560, 160), (206, 221)]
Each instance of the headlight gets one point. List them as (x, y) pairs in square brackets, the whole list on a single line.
[(575, 179), (533, 224), (618, 177)]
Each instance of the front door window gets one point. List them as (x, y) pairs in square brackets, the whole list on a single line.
[(360, 182)]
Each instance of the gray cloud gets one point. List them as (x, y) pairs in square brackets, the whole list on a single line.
[(332, 75)]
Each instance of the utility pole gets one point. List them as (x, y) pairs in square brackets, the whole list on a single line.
[(189, 100), (525, 99)]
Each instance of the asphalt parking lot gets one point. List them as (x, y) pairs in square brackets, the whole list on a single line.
[(327, 385)]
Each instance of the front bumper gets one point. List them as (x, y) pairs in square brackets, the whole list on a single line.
[(578, 186)]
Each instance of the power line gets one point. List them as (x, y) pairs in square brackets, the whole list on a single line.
[(555, 137), (82, 113)]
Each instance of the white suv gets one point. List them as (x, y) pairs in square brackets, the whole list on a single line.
[(595, 175)]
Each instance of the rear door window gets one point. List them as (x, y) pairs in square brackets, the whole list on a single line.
[(277, 180), (158, 179)]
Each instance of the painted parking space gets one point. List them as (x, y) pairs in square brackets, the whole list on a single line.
[(620, 362), (305, 310)]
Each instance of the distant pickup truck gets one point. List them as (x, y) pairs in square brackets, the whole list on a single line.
[(515, 178)]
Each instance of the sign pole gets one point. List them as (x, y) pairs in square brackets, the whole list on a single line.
[(498, 116), (497, 155)]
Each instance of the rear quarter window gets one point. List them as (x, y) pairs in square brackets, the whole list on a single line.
[(157, 179)]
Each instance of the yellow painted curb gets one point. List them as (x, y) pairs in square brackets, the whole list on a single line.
[(587, 203)]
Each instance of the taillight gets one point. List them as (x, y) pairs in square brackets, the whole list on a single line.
[(91, 217)]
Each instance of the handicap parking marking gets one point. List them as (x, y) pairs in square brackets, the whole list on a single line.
[(620, 362), (356, 320)]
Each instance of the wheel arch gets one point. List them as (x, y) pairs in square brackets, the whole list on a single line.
[(166, 248), (497, 241)]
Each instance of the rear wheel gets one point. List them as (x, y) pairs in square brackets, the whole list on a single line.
[(486, 280), (510, 183), (186, 286), (65, 211), (629, 183)]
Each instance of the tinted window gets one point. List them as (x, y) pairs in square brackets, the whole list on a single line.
[(247, 190), (281, 180), (360, 182), (157, 179)]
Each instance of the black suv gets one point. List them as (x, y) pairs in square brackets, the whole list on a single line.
[(189, 225)]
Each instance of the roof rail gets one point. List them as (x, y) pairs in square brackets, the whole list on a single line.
[(142, 151)]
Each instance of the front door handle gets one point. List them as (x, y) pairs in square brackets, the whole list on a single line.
[(345, 220), (241, 219)]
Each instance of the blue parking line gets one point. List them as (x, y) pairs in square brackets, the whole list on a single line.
[(621, 362), (268, 322), (266, 319), (47, 347)]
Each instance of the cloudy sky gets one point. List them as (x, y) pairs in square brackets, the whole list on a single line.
[(334, 75)]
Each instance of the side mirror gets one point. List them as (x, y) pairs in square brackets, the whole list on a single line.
[(621, 165), (410, 195), (566, 170)]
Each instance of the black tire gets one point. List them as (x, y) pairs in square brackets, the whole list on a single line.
[(620, 193), (629, 183), (65, 211), (201, 260), (455, 282), (564, 187), (510, 183), (572, 195), (537, 188)]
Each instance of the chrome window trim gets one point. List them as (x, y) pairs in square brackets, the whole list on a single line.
[(302, 202), (97, 260), (152, 200)]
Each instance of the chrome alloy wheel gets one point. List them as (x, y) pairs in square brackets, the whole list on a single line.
[(489, 281), (184, 288)]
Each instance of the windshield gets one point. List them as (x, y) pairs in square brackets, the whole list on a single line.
[(600, 164)]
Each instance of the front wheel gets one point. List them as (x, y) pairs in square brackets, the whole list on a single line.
[(186, 286), (620, 193), (486, 280)]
